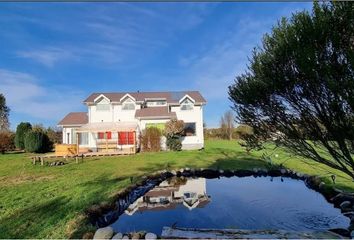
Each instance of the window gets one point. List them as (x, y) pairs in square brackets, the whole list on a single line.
[(187, 105), (104, 135), (128, 105), (102, 107), (160, 103), (125, 138), (83, 138), (189, 129), (100, 135), (160, 126)]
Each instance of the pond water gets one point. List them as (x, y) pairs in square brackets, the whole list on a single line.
[(243, 203)]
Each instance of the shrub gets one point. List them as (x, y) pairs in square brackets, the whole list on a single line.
[(151, 139), (37, 141), (55, 135), (21, 131), (7, 141), (174, 143), (174, 127)]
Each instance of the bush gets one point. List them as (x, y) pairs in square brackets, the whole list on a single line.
[(174, 127), (21, 131), (7, 141), (174, 143), (38, 142), (55, 135), (151, 139)]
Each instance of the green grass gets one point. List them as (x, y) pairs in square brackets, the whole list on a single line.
[(48, 202)]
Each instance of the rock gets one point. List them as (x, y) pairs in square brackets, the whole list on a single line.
[(136, 236), (352, 234), (349, 214), (221, 172), (283, 171), (345, 204), (341, 197), (88, 235), (228, 173), (118, 236), (104, 233), (322, 186), (125, 237), (151, 236), (174, 172), (299, 175), (243, 173), (341, 231), (209, 173), (274, 173)]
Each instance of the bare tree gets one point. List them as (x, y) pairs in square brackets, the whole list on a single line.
[(4, 114), (227, 125)]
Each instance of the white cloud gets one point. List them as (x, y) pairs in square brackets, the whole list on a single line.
[(48, 56), (110, 33), (25, 94)]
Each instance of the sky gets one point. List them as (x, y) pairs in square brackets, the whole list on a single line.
[(53, 55)]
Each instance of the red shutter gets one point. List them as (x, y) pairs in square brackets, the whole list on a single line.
[(130, 138), (109, 135), (100, 135), (122, 137)]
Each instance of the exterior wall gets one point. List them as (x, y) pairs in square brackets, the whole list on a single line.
[(194, 115), (72, 134), (120, 115)]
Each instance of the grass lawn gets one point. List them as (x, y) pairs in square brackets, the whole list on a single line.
[(48, 202)]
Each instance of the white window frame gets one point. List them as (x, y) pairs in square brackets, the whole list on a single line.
[(187, 105), (128, 102)]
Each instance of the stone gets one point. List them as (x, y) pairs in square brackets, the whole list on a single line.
[(322, 185), (125, 237), (136, 236), (174, 172), (104, 233), (345, 204), (150, 236), (283, 171), (118, 236), (221, 171), (300, 175), (341, 231)]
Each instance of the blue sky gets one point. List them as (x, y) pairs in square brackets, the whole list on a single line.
[(54, 55)]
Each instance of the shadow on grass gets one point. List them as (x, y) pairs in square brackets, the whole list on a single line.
[(43, 220), (31, 221)]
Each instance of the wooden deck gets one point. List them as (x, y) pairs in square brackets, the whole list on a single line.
[(81, 156)]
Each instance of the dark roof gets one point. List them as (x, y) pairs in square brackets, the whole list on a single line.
[(74, 118), (152, 112), (171, 97)]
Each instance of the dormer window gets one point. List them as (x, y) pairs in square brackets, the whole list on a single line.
[(103, 104), (128, 105), (187, 105)]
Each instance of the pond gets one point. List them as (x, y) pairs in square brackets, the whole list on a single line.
[(242, 203)]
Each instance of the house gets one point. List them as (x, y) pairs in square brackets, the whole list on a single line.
[(169, 194), (114, 121)]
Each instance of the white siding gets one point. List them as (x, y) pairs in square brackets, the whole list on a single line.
[(194, 115)]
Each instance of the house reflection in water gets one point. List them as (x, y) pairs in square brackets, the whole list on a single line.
[(170, 193)]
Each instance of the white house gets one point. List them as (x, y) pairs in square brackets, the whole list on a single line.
[(114, 121)]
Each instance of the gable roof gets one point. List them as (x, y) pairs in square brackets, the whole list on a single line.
[(171, 97), (154, 112), (74, 118)]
